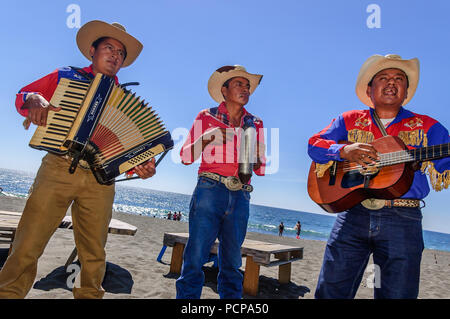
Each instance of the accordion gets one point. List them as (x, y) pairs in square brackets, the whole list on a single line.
[(103, 124)]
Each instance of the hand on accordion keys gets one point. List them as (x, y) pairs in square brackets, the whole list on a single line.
[(38, 108), (144, 170)]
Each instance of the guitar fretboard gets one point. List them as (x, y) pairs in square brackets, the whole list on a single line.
[(418, 154)]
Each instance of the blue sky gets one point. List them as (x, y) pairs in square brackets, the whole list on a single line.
[(309, 52)]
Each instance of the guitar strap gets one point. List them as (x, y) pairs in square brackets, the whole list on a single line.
[(380, 125)]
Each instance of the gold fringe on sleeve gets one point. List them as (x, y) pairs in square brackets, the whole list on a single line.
[(414, 138), (360, 136), (322, 168), (439, 181)]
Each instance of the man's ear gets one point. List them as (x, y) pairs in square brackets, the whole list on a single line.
[(224, 91), (369, 91), (91, 51)]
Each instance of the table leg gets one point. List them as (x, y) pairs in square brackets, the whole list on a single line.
[(251, 277), (284, 273), (177, 258), (161, 253)]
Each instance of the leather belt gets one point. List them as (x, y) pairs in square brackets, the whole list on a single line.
[(375, 204), (231, 182)]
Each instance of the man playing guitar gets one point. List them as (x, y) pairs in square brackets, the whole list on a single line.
[(391, 230)]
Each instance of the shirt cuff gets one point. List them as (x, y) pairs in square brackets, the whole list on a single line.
[(334, 152)]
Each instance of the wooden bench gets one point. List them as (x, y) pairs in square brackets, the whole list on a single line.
[(8, 226), (257, 253), (10, 220), (115, 227)]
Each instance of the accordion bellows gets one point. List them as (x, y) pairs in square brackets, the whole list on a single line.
[(103, 124)]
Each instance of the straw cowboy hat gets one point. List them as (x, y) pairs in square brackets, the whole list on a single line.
[(96, 29), (223, 74), (376, 63)]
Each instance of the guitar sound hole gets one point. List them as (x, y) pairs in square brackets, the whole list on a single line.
[(354, 178)]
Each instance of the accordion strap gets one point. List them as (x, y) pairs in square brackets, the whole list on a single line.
[(83, 73)]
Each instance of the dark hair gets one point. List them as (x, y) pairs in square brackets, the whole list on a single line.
[(96, 43), (227, 83)]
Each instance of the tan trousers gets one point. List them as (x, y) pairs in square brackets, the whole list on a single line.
[(54, 189)]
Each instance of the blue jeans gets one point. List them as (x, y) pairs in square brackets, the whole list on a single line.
[(392, 235), (215, 212)]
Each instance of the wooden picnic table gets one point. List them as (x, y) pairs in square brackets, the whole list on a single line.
[(257, 253), (10, 220), (8, 226)]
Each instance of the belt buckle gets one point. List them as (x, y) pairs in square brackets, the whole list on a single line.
[(232, 183), (373, 203)]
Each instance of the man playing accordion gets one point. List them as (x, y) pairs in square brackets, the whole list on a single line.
[(110, 48)]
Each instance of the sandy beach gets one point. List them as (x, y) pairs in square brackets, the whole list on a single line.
[(133, 272)]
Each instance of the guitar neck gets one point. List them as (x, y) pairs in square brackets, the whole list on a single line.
[(416, 155)]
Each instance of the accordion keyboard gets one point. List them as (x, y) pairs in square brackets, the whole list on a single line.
[(110, 128), (69, 95)]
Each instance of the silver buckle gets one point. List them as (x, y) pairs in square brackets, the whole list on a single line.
[(373, 203), (232, 183)]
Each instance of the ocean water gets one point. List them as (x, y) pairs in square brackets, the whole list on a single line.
[(263, 219)]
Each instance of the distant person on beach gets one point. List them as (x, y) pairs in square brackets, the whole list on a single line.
[(110, 48), (169, 215), (220, 203), (391, 230), (179, 216), (298, 229), (280, 229), (175, 216)]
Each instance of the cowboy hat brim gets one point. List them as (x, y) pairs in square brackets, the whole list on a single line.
[(377, 63), (96, 29), (218, 78)]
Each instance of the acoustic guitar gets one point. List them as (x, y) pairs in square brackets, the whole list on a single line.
[(346, 184)]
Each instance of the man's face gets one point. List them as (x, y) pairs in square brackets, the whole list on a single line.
[(238, 91), (108, 57), (389, 87)]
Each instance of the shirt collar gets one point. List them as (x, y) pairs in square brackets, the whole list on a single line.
[(223, 109), (402, 114), (223, 113), (90, 70)]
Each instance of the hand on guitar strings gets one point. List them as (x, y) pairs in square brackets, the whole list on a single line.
[(38, 108), (146, 169), (361, 153)]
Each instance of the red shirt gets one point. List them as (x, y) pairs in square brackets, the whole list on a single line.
[(220, 159)]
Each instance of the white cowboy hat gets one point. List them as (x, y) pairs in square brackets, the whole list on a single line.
[(376, 63), (96, 29), (223, 74)]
